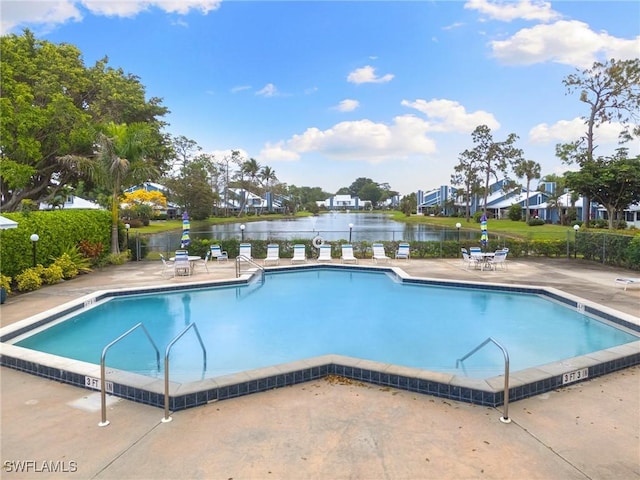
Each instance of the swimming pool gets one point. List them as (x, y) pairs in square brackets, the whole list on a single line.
[(407, 334)]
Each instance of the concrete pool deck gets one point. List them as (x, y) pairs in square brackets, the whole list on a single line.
[(329, 428)]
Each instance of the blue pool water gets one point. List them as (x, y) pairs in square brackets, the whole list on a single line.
[(302, 314)]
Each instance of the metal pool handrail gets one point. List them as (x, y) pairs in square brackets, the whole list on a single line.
[(505, 417), (103, 398), (242, 258), (167, 418)]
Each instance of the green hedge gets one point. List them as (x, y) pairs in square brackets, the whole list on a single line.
[(57, 229)]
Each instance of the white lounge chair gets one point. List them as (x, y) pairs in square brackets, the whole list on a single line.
[(273, 254), (299, 253), (403, 252), (347, 254), (324, 255), (245, 251), (219, 254), (628, 281), (379, 255), (467, 260)]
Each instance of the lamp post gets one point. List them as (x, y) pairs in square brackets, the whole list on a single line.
[(34, 241), (575, 247), (127, 227), (242, 227), (350, 229), (458, 226)]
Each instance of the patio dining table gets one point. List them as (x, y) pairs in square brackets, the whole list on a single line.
[(192, 260), (484, 259)]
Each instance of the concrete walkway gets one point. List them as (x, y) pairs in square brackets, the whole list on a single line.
[(329, 428)]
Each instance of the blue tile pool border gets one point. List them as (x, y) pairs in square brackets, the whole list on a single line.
[(488, 392)]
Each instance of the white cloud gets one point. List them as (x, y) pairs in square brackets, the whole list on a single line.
[(17, 13), (566, 42), (508, 11), (450, 116), (565, 131), (368, 75), (269, 90), (240, 88), (347, 105), (361, 140)]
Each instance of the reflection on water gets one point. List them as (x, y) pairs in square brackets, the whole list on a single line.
[(369, 227)]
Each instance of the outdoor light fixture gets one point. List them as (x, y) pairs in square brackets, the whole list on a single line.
[(458, 226), (575, 249), (350, 229), (127, 227), (34, 241), (242, 227)]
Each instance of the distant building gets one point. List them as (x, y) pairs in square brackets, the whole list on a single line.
[(72, 202)]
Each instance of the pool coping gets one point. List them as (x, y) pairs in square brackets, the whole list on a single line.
[(488, 392)]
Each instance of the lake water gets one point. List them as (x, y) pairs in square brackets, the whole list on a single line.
[(369, 227)]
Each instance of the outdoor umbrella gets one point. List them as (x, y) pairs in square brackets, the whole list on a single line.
[(484, 237), (184, 241)]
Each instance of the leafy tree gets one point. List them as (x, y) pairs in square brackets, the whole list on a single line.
[(492, 159), (191, 188), (51, 106), (467, 175), (614, 182), (612, 92), (409, 204), (530, 170), (120, 162), (184, 149)]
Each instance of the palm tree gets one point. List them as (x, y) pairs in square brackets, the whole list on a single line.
[(530, 170), (119, 162)]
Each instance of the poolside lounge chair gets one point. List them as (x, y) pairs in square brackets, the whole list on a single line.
[(273, 254), (218, 253), (627, 281), (324, 254), (347, 254), (379, 255), (299, 253), (167, 265), (403, 252), (245, 251)]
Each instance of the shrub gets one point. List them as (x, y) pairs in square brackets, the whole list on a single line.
[(515, 212), (118, 258), (5, 282), (67, 265), (52, 274), (91, 250), (30, 279), (535, 221)]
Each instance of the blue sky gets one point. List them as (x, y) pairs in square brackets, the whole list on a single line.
[(325, 92)]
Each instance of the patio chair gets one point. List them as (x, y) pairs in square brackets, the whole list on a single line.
[(181, 264), (218, 253), (628, 281), (245, 251), (203, 261), (299, 254), (273, 254), (166, 264), (347, 254), (403, 252), (379, 255), (468, 260), (498, 260), (324, 254)]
